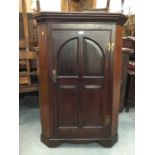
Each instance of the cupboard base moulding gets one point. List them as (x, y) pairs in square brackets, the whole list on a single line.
[(105, 142)]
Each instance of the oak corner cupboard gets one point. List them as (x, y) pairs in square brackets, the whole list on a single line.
[(79, 73)]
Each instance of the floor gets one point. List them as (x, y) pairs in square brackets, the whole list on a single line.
[(30, 134)]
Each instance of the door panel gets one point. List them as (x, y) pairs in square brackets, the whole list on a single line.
[(92, 53), (65, 45), (67, 101), (67, 58), (67, 106), (95, 60), (80, 58), (92, 106)]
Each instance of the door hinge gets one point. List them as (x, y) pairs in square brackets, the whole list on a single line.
[(110, 46), (107, 120)]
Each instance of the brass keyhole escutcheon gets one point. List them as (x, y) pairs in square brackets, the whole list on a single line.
[(42, 33), (54, 76)]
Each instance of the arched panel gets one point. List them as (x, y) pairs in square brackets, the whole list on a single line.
[(93, 58), (67, 58)]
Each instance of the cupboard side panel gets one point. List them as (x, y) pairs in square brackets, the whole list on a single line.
[(116, 78), (44, 91)]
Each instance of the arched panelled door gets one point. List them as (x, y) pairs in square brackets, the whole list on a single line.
[(80, 83)]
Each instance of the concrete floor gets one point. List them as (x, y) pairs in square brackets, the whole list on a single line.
[(30, 135)]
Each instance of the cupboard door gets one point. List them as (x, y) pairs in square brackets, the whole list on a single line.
[(65, 98), (95, 82), (81, 61)]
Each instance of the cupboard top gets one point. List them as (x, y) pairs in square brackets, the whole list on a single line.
[(44, 17)]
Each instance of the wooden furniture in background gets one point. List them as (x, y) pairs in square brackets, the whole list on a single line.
[(80, 72), (82, 5), (130, 92), (27, 73), (130, 26), (73, 6), (124, 72), (32, 30), (28, 77), (129, 42), (90, 5), (87, 4), (70, 5)]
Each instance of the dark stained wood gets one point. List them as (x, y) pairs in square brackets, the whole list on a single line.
[(116, 77), (108, 142), (79, 77), (118, 18), (44, 90)]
